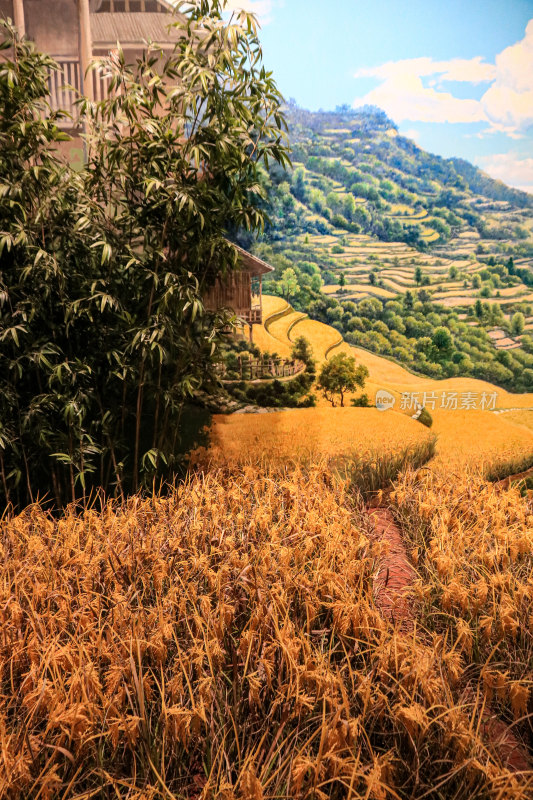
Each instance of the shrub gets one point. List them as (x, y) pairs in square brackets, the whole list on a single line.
[(360, 402)]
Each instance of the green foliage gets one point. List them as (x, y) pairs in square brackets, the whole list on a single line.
[(302, 351), (443, 343), (360, 402), (103, 333), (288, 285), (340, 375), (518, 323)]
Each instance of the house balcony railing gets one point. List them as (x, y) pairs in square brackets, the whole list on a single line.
[(65, 86)]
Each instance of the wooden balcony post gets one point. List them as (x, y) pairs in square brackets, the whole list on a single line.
[(86, 48), (18, 17)]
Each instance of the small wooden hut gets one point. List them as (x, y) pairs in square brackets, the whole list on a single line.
[(241, 290)]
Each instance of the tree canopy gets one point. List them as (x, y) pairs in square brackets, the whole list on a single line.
[(340, 375), (103, 332)]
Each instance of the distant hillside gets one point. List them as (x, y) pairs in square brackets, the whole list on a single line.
[(391, 246), (353, 171), (481, 183)]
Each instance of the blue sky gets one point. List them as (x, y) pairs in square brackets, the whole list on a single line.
[(457, 77)]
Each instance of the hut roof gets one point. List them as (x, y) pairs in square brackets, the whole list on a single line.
[(252, 263)]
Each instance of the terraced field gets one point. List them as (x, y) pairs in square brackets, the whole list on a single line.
[(360, 288)]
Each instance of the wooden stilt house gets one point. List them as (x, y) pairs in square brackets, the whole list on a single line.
[(241, 291)]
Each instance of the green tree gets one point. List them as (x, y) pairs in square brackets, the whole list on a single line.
[(372, 278), (418, 276), (302, 351), (342, 280), (298, 184), (288, 285), (518, 323), (340, 375), (316, 283), (348, 207), (442, 343), (453, 272), (105, 335), (476, 282)]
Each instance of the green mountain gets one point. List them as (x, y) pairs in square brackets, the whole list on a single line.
[(391, 245), (352, 170)]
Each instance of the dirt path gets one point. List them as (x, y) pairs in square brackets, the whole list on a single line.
[(394, 598), (395, 575)]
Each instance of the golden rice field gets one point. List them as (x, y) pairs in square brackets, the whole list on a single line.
[(224, 643), (309, 434), (469, 300), (323, 337), (280, 327), (261, 333)]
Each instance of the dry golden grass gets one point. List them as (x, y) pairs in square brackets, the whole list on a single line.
[(223, 644), (310, 434)]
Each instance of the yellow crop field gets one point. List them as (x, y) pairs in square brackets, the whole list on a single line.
[(228, 640), (475, 439), (311, 434), (261, 335), (396, 287), (399, 275), (465, 437), (273, 305), (279, 328), (523, 417), (322, 337), (467, 300)]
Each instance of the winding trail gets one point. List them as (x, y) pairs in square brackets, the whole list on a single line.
[(395, 574), (394, 597)]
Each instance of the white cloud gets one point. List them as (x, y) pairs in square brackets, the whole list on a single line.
[(261, 8), (411, 134), (470, 70), (508, 103), (404, 97), (511, 168), (506, 106)]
